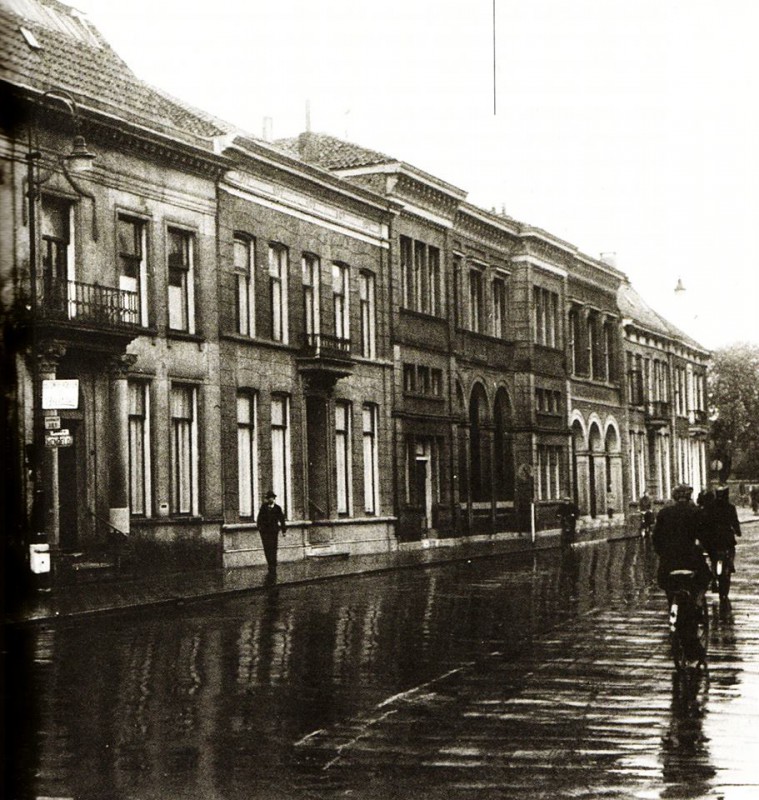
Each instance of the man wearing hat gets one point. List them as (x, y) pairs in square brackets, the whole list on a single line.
[(270, 520)]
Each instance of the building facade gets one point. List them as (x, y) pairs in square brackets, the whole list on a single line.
[(202, 316)]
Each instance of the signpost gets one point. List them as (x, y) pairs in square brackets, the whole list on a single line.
[(60, 438)]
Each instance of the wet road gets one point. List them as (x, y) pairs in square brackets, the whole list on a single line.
[(510, 677)]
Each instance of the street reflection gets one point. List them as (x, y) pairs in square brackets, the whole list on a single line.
[(208, 701), (685, 753)]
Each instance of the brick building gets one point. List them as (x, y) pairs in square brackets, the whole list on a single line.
[(308, 315)]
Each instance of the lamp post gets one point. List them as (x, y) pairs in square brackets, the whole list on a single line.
[(44, 516)]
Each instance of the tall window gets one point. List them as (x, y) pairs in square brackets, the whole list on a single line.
[(609, 330), (278, 292), (343, 456), (546, 316), (475, 300), (434, 292), (371, 484), (280, 449), (181, 280), (420, 275), (247, 454), (133, 268), (368, 318), (244, 259), (184, 450), (56, 256), (311, 283), (499, 307), (340, 297), (139, 448), (549, 472)]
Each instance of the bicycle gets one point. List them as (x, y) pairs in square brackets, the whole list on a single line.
[(688, 620), (723, 570)]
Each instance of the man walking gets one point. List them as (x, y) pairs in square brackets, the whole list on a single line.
[(270, 520)]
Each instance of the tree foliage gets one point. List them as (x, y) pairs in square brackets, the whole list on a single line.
[(734, 406)]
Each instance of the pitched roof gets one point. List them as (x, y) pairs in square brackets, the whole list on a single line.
[(331, 153), (46, 44), (634, 307)]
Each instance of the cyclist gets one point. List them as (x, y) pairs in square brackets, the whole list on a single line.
[(675, 539), (721, 526)]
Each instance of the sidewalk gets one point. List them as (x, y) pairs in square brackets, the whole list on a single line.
[(125, 594)]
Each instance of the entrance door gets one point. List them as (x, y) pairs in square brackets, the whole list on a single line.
[(424, 490), (70, 465)]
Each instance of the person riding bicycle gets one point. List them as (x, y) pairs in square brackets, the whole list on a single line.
[(676, 540), (721, 526)]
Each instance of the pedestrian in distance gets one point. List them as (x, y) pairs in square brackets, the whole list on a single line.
[(270, 521), (720, 526), (646, 514), (567, 514), (754, 497)]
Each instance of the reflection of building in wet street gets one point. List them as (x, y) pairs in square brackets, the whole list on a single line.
[(491, 677), (199, 315)]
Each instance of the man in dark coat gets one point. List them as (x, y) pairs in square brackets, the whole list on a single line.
[(567, 514), (270, 521), (721, 526), (675, 537)]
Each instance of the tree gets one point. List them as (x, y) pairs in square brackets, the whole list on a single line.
[(734, 405)]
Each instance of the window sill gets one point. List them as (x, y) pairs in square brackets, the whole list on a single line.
[(183, 336)]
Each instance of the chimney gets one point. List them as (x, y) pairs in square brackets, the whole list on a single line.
[(679, 288), (267, 129)]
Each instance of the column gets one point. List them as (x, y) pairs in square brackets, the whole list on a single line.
[(46, 508), (118, 452)]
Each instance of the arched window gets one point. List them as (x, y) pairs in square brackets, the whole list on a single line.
[(502, 444), (477, 477)]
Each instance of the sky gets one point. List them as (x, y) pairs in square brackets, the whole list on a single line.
[(622, 126)]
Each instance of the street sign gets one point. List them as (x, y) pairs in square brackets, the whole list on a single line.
[(60, 393), (60, 438), (52, 423)]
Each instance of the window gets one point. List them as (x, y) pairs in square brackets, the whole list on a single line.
[(368, 323), (546, 317), (371, 485), (436, 382), (499, 307), (434, 293), (549, 472), (458, 290), (340, 298), (409, 378), (133, 268), (343, 456), (247, 455), (278, 292), (280, 450), (609, 330), (311, 282), (475, 300), (423, 380), (407, 271), (56, 245), (139, 448), (420, 275), (181, 281), (184, 450), (244, 259)]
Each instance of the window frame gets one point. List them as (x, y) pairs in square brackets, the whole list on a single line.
[(343, 459), (278, 261), (370, 457), (187, 287), (247, 456), (139, 422), (245, 289), (184, 487)]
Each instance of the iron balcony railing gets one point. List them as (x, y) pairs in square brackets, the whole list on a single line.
[(89, 303), (325, 345)]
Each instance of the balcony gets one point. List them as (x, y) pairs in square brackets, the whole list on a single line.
[(325, 358), (89, 313), (657, 413)]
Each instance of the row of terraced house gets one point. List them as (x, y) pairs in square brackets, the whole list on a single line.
[(306, 315)]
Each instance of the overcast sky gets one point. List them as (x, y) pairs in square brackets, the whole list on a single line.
[(625, 126)]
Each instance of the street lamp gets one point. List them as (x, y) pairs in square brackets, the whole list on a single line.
[(76, 162)]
